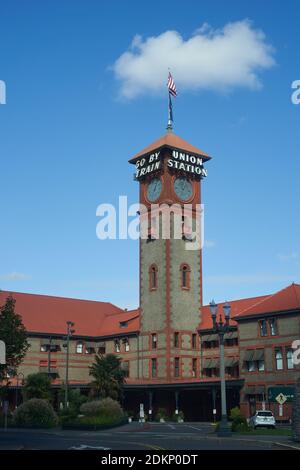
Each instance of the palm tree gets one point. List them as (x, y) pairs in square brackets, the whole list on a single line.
[(109, 377)]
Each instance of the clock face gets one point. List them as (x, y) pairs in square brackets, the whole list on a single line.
[(183, 188), (154, 189)]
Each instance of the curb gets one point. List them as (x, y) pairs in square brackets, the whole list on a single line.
[(289, 446)]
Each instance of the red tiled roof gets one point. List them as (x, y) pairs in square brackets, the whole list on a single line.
[(171, 140), (47, 314), (237, 306), (283, 300)]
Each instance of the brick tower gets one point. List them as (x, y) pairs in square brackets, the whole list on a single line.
[(169, 172)]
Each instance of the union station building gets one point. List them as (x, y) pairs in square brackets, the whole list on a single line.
[(169, 350)]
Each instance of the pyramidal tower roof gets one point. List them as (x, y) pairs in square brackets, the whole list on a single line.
[(172, 141)]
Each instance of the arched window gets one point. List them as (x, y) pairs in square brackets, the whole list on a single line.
[(153, 277), (185, 276)]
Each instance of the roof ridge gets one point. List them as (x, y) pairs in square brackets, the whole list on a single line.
[(265, 299), (59, 297)]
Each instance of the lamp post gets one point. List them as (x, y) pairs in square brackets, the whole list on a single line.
[(20, 374), (70, 324), (221, 327)]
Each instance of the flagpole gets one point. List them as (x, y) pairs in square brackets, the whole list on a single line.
[(170, 117)]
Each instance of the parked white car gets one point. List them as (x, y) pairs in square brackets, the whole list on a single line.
[(262, 418)]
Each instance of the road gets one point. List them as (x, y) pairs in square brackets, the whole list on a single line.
[(135, 436)]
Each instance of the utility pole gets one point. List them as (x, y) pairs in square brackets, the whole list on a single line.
[(70, 324)]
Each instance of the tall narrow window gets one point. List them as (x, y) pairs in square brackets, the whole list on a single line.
[(263, 328), (194, 367), (126, 344), (153, 277), (185, 276), (117, 346), (154, 367), (273, 327), (176, 367), (79, 347), (278, 359), (289, 358), (154, 341), (176, 340)]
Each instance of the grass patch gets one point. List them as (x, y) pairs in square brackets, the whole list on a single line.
[(268, 432), (93, 422)]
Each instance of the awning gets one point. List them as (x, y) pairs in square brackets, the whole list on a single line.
[(254, 390), (101, 345), (231, 361), (231, 335), (209, 338), (258, 355), (248, 355), (90, 344), (211, 364)]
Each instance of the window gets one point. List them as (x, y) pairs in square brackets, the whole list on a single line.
[(194, 341), (176, 340), (117, 346), (263, 328), (102, 349), (79, 348), (154, 368), (126, 344), (289, 358), (278, 359), (44, 347), (261, 365), (123, 324), (89, 349), (153, 277), (194, 367), (251, 365), (176, 367), (125, 368), (273, 327), (154, 341), (185, 276)]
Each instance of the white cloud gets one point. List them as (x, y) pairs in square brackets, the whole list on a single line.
[(288, 256), (14, 276), (219, 60)]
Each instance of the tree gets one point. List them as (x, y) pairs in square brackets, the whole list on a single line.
[(14, 335), (37, 386), (109, 377)]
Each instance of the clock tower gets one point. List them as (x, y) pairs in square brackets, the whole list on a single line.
[(169, 172)]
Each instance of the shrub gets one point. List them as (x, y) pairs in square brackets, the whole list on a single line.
[(239, 424), (35, 413), (107, 408), (75, 399), (161, 414), (234, 413), (177, 417)]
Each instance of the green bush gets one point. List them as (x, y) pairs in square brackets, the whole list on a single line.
[(75, 400), (35, 413), (234, 413), (161, 414), (176, 417), (240, 424), (37, 386), (107, 408)]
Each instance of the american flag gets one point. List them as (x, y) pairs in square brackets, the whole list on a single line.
[(171, 85)]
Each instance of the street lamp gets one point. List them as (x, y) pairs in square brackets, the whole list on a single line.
[(220, 327), (70, 324)]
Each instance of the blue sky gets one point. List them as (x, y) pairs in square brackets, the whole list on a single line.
[(66, 135)]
